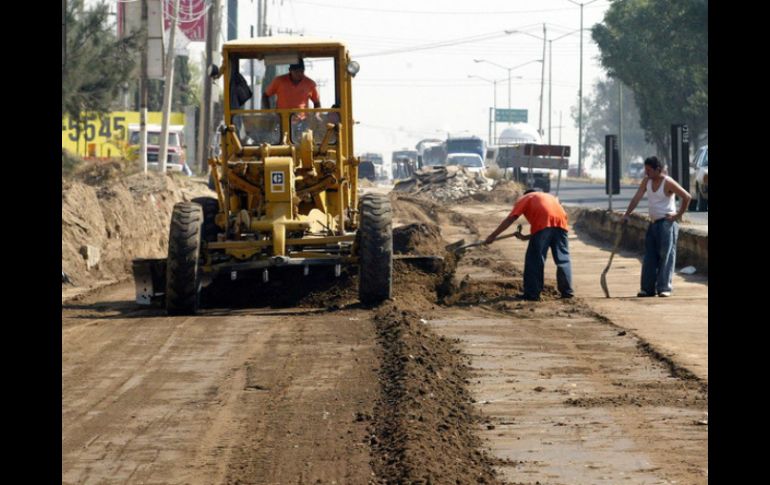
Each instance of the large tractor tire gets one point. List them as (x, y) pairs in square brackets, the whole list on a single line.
[(184, 244), (210, 207), (375, 250)]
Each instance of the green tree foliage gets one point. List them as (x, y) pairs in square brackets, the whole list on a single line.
[(183, 94), (600, 118), (659, 48), (97, 62)]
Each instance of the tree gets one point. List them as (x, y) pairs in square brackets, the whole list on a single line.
[(97, 62), (184, 93), (659, 49), (600, 116)]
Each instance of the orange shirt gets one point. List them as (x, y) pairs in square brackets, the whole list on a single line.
[(292, 95), (541, 210)]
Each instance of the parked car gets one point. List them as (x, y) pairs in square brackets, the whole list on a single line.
[(471, 161), (700, 166), (636, 170), (176, 160)]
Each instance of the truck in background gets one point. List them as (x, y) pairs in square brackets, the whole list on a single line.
[(377, 161), (430, 152), (466, 144), (404, 163)]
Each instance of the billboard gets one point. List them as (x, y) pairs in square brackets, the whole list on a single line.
[(191, 18), (105, 136)]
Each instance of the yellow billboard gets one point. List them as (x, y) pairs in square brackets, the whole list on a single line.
[(105, 136)]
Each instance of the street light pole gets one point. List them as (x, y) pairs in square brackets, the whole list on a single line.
[(542, 85), (580, 91), (550, 83), (509, 69), (494, 102)]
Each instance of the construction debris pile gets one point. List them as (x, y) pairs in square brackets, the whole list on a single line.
[(444, 183)]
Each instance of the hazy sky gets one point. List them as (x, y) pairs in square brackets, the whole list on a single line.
[(415, 93)]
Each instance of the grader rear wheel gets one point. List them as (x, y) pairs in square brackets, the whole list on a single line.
[(184, 243), (375, 250)]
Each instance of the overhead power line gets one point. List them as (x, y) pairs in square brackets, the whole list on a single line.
[(429, 12)]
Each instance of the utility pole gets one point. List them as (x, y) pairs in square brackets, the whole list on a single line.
[(259, 18), (580, 90), (264, 18), (620, 123), (550, 84), (168, 92), (232, 19), (144, 88), (212, 32), (63, 34), (542, 85), (580, 99)]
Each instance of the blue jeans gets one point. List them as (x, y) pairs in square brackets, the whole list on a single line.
[(659, 256), (534, 262)]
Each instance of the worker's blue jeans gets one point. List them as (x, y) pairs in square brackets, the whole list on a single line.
[(534, 263), (659, 256)]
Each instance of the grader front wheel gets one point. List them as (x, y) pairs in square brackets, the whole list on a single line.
[(184, 243), (375, 250)]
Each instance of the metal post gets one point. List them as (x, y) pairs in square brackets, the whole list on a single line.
[(550, 84), (212, 31), (144, 88), (232, 19), (620, 123), (489, 125), (494, 97), (168, 92), (542, 86), (509, 88), (580, 101)]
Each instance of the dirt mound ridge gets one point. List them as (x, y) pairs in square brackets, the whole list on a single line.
[(424, 426), (107, 222)]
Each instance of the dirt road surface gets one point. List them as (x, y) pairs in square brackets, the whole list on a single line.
[(452, 382)]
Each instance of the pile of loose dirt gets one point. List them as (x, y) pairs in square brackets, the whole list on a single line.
[(444, 183), (108, 219), (424, 422), (419, 239), (504, 192), (366, 183), (423, 210)]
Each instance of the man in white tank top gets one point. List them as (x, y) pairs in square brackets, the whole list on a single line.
[(663, 232)]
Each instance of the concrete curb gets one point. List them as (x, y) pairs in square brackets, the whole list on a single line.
[(692, 248)]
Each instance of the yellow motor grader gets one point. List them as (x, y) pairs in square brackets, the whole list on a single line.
[(286, 184)]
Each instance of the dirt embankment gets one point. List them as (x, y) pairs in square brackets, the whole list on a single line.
[(109, 218)]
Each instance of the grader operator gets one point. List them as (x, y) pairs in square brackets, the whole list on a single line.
[(286, 184)]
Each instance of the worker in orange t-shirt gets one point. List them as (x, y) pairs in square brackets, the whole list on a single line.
[(293, 89), (548, 229)]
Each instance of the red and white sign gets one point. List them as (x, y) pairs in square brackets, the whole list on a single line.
[(191, 18)]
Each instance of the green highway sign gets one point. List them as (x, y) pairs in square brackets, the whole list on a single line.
[(511, 115)]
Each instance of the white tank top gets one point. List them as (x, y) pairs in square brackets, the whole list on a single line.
[(659, 203)]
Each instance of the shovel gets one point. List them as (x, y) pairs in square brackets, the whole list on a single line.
[(460, 247), (603, 279)]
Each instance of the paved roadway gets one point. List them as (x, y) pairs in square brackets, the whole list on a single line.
[(591, 194)]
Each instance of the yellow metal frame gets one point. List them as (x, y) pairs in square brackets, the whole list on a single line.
[(329, 194)]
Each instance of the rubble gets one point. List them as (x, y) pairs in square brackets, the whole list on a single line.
[(444, 183)]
